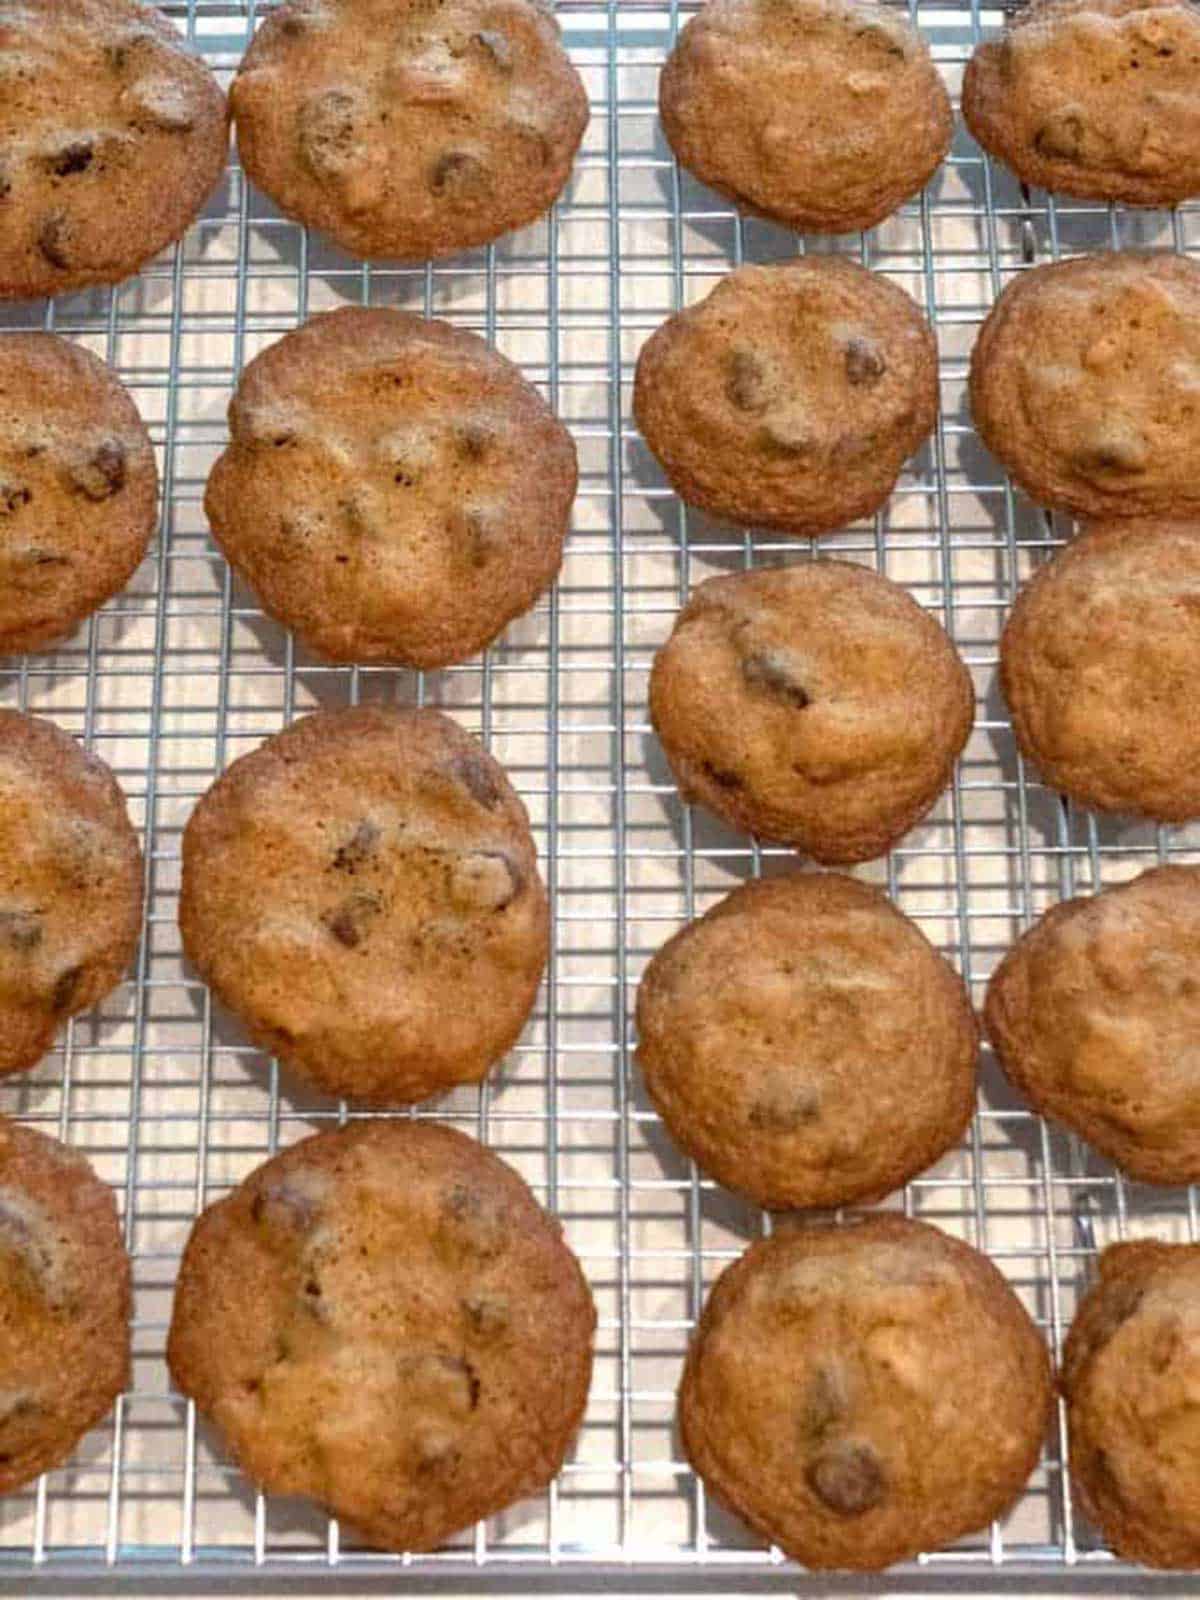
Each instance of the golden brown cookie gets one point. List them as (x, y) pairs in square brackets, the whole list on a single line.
[(394, 490), (1099, 663), (823, 114), (70, 885), (383, 1318), (409, 128), (112, 137), (859, 1394), (815, 705), (78, 488), (806, 1044), (1084, 381), (1094, 1014), (791, 396), (1097, 98), (362, 890), (64, 1303)]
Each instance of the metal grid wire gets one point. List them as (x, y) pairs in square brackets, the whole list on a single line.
[(182, 673)]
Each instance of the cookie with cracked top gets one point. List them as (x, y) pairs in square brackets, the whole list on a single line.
[(362, 890), (384, 1319), (859, 1394), (409, 129)]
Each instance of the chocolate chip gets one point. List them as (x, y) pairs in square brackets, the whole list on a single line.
[(103, 473), (20, 930), (474, 772), (470, 1224), (12, 497), (723, 778), (66, 988), (746, 382), (1119, 449), (56, 238), (488, 1314), (768, 670), (349, 922), (864, 364), (485, 880), (326, 126), (287, 1205), (496, 47), (825, 1403), (847, 1477), (72, 158), (472, 529), (1061, 135), (458, 174), (783, 1107), (881, 38), (474, 439), (448, 1384), (358, 849), (5, 181)]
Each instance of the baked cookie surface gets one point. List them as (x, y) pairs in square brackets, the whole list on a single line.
[(791, 396), (821, 114), (383, 1318), (863, 1393), (394, 490)]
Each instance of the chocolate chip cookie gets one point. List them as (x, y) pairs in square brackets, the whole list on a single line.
[(1096, 98), (1128, 1375), (70, 885), (862, 1393), (1094, 1013), (383, 1318), (815, 705), (362, 890), (394, 490), (1084, 381), (409, 128), (64, 1303), (823, 114), (791, 396), (78, 488), (805, 1043), (112, 137)]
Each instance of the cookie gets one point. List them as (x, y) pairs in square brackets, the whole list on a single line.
[(791, 396), (824, 115), (815, 705), (805, 1044), (1095, 98), (362, 890), (1129, 1379), (78, 488), (859, 1394), (1083, 384), (1093, 1014), (394, 490), (1099, 661), (70, 885), (112, 137), (409, 128), (384, 1319), (64, 1303)]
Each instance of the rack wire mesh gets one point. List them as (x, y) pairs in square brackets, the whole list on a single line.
[(182, 673)]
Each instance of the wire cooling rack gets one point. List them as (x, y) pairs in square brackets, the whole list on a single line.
[(182, 673)]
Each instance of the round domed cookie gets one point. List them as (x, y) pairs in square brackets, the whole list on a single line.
[(64, 1303), (1084, 380), (816, 705), (858, 1394), (394, 490), (70, 885), (1096, 98), (823, 114), (1094, 1013), (78, 488), (409, 128), (806, 1044), (112, 137), (362, 890), (1099, 662), (1128, 1375), (791, 396), (383, 1318)]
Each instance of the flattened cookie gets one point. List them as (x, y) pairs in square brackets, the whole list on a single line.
[(1084, 380), (112, 137), (1099, 663), (394, 490), (1097, 98), (78, 488), (1094, 1014), (1129, 1379), (362, 890), (409, 128), (806, 1044), (64, 1303), (383, 1318), (791, 396), (816, 705), (863, 1393), (70, 885), (822, 114)]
